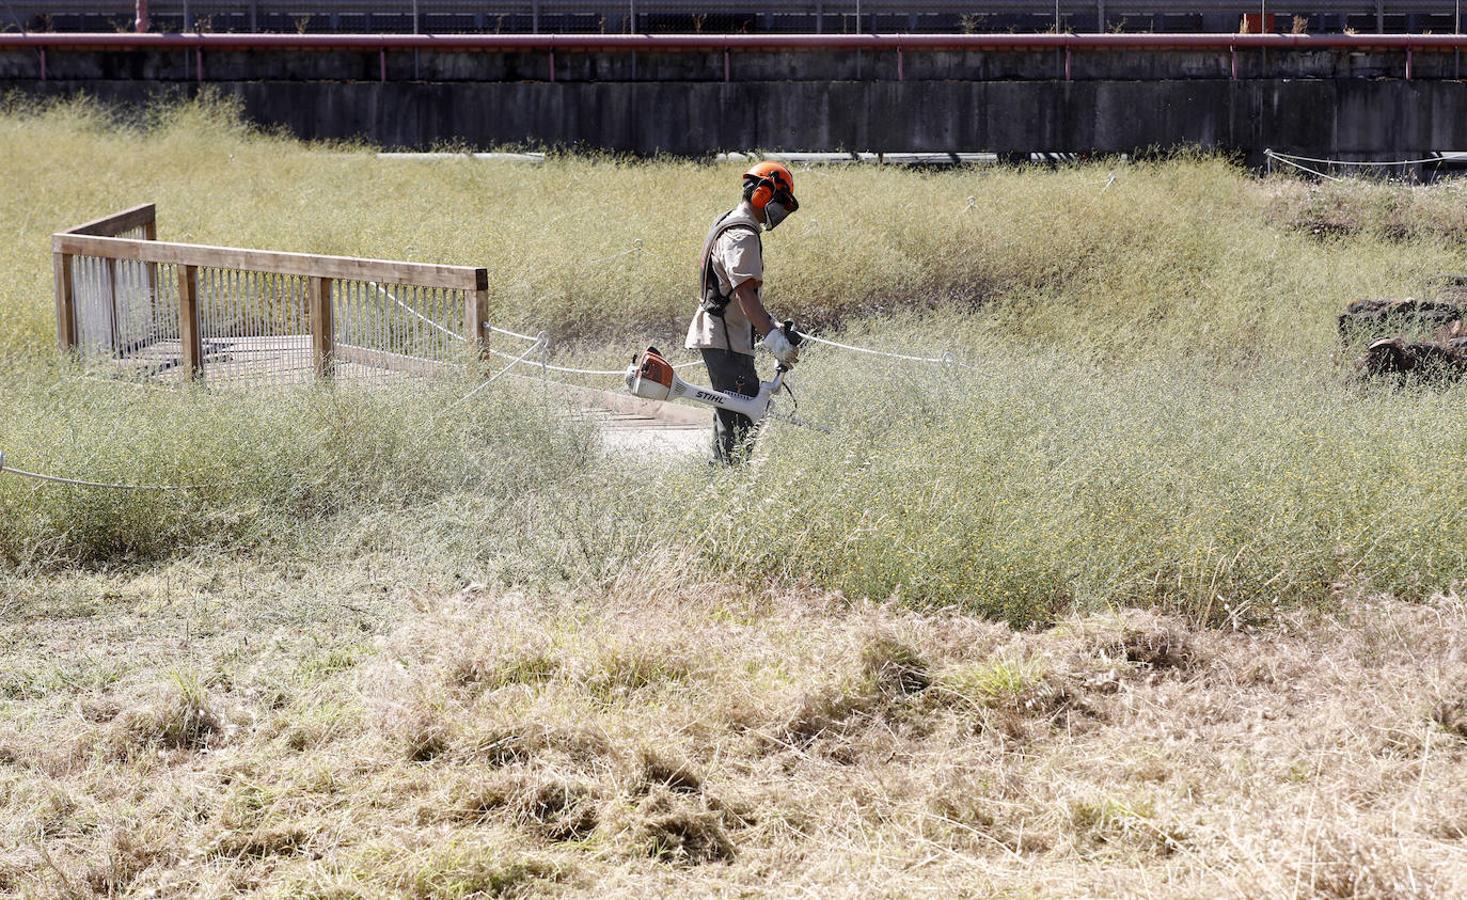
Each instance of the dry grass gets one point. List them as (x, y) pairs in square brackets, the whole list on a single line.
[(1109, 755), (1361, 206)]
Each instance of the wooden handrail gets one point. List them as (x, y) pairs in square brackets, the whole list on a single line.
[(97, 239), (110, 226), (463, 278)]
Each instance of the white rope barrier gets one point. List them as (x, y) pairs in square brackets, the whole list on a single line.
[(541, 342), (636, 247), (492, 378), (607, 373), (424, 319), (1301, 167), (6, 469), (599, 373), (505, 331), (946, 359), (1282, 157)]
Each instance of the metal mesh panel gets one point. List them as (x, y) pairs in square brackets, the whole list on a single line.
[(385, 329), (126, 314), (161, 356), (254, 325), (95, 321)]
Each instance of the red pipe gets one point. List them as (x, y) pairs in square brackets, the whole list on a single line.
[(746, 42)]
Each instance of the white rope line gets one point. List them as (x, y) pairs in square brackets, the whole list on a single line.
[(1358, 162), (79, 482), (603, 373), (636, 247), (1304, 168), (505, 331), (414, 312), (540, 342), (491, 379), (566, 369), (946, 359)]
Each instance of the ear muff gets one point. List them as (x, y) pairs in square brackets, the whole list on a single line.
[(759, 191)]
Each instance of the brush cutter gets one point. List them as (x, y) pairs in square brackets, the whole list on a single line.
[(651, 377)]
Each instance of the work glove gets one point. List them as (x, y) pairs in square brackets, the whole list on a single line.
[(778, 343)]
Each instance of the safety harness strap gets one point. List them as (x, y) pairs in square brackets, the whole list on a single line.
[(714, 301)]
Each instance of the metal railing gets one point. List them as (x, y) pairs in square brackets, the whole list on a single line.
[(633, 16), (716, 42), (148, 308), (1066, 45)]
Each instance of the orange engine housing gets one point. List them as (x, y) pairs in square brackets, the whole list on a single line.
[(651, 377), (655, 368)]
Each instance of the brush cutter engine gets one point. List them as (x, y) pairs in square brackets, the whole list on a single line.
[(651, 377)]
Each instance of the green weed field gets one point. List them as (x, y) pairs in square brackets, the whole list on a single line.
[(1153, 408)]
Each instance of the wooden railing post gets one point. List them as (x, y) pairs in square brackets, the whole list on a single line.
[(65, 302), (476, 316), (114, 331), (323, 332), (189, 334), (150, 233)]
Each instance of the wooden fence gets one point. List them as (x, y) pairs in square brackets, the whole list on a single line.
[(164, 310)]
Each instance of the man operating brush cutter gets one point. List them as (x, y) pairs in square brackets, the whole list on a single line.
[(731, 314)]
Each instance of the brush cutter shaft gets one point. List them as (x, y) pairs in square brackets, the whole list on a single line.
[(756, 407), (652, 378)]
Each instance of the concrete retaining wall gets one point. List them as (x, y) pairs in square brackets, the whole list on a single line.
[(1334, 104)]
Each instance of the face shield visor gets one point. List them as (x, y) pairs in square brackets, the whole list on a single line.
[(779, 208)]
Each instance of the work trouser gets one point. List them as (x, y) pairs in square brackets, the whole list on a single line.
[(735, 373)]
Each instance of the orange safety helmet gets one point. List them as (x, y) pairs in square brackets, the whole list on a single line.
[(770, 187)]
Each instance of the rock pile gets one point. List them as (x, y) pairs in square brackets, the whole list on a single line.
[(1421, 339)]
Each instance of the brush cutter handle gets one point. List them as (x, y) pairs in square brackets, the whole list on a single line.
[(794, 337)]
